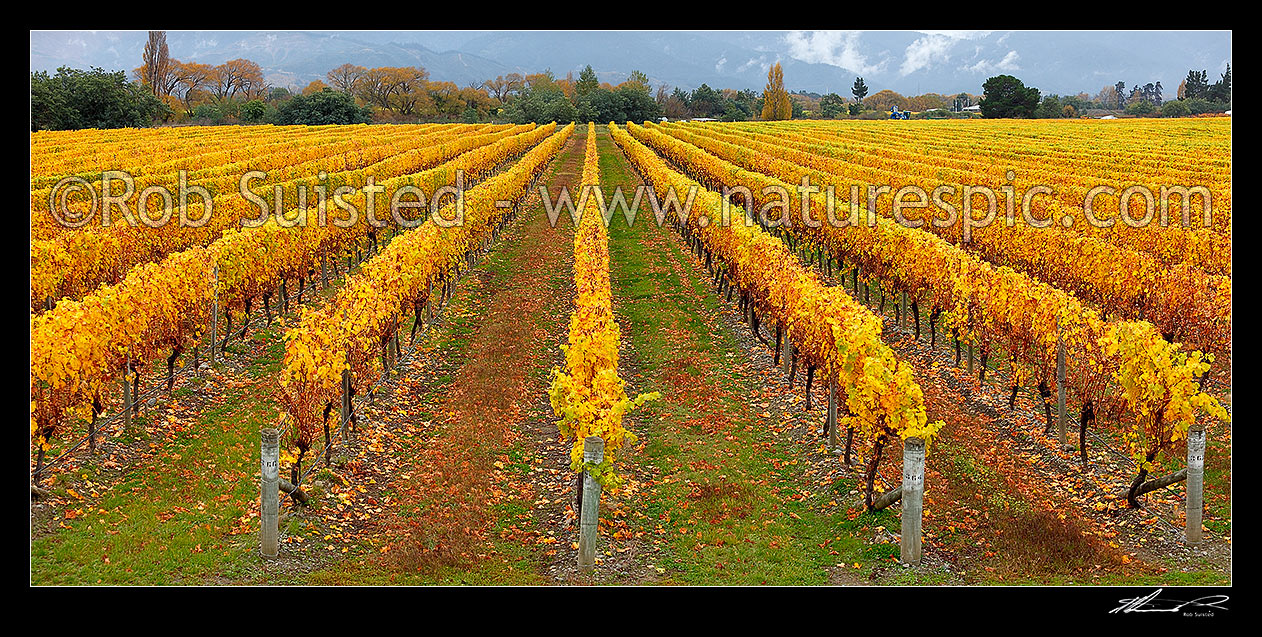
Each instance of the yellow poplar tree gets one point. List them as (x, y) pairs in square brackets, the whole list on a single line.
[(775, 100)]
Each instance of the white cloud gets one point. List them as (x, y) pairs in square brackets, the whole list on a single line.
[(838, 48), (961, 35), (928, 51), (1008, 63), (718, 66), (758, 61)]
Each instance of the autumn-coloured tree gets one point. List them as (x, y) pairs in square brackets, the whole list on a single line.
[(254, 88), (239, 76), (156, 64), (314, 87), (1107, 97), (163, 86), (477, 99), (445, 99), (776, 104), (928, 101), (374, 87), (540, 80), (886, 99), (221, 82), (344, 77), (504, 86), (403, 89), (568, 86), (191, 79), (410, 94)]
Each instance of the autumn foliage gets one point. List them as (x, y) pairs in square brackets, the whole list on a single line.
[(350, 331), (80, 349), (1129, 278), (73, 261), (588, 396), (831, 331), (776, 104), (1124, 369)]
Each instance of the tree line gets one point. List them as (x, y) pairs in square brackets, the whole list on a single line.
[(165, 90), (1007, 96)]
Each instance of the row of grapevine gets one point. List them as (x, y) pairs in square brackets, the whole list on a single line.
[(80, 348), (587, 395), (346, 335), (1058, 154), (87, 152), (1173, 244), (830, 331), (1123, 370), (220, 169), (1184, 302), (74, 263), (1153, 151)]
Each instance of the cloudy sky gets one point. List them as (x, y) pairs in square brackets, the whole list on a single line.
[(910, 62)]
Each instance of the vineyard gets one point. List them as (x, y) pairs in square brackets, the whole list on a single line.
[(796, 352)]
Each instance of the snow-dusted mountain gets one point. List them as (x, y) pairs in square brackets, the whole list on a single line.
[(909, 62)]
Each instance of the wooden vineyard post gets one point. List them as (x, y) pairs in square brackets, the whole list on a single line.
[(593, 454), (902, 309), (913, 499), (970, 359), (269, 492), (1195, 483), (1060, 386)]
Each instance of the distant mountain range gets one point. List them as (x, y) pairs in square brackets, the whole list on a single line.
[(909, 62)]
